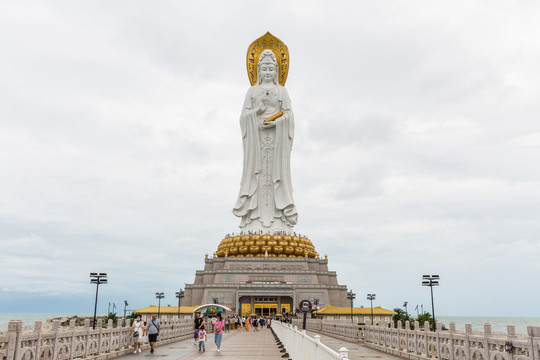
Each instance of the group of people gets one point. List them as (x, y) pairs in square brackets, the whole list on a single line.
[(219, 325), (138, 331), (248, 322)]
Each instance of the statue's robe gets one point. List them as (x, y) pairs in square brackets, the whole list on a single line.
[(248, 207)]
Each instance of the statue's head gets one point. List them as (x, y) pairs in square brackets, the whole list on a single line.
[(267, 67)]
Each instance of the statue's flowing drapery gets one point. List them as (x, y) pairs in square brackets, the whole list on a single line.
[(265, 200)]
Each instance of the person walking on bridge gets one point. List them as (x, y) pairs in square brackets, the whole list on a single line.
[(197, 323), (152, 329), (218, 331), (137, 331)]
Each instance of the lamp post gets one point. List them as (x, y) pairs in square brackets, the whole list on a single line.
[(371, 297), (406, 313), (159, 296), (97, 278), (431, 281), (316, 303), (125, 308), (180, 296), (351, 296), (114, 308)]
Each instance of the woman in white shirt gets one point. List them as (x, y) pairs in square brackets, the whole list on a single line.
[(137, 331)]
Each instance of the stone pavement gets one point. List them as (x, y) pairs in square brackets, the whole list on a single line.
[(357, 351), (235, 345)]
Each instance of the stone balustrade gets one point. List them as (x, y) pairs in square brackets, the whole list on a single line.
[(301, 346), (341, 329), (80, 342), (421, 343)]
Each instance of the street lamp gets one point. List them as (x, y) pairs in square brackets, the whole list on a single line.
[(371, 297), (125, 308), (159, 296), (316, 302), (351, 296), (180, 296), (406, 313), (97, 278), (215, 300), (431, 281)]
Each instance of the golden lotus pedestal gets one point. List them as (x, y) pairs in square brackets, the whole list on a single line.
[(266, 245)]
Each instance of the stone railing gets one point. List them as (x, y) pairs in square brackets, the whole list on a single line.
[(421, 343), (341, 329), (300, 346), (80, 342)]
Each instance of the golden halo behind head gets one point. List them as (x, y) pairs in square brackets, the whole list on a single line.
[(267, 41)]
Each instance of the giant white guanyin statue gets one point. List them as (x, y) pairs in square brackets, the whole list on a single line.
[(265, 201)]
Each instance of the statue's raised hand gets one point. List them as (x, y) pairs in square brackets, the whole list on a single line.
[(262, 107)]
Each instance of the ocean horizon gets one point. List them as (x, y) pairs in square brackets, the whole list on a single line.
[(498, 323)]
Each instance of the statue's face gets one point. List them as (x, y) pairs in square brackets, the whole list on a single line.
[(267, 71)]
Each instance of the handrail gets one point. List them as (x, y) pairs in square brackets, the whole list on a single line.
[(300, 346)]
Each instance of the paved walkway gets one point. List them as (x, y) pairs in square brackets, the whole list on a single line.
[(356, 351), (235, 345)]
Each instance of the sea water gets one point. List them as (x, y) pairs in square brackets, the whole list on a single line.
[(498, 324), (29, 319)]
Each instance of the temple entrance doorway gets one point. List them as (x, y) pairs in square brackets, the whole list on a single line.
[(265, 305)]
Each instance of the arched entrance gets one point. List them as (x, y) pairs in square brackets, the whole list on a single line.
[(204, 308)]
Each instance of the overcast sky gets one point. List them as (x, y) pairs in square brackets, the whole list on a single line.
[(416, 150)]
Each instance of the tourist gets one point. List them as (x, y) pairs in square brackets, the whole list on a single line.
[(248, 323), (214, 319), (255, 324), (238, 323), (137, 331), (227, 324), (202, 338), (218, 331), (197, 323), (152, 329), (244, 322)]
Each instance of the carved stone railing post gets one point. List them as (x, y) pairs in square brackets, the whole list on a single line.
[(14, 331), (511, 331), (99, 328), (468, 333), (55, 328), (38, 331), (87, 331), (72, 346), (533, 341), (452, 327), (487, 335), (416, 330)]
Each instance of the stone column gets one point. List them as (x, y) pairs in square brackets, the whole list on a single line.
[(72, 346), (56, 330), (14, 342), (533, 341), (38, 330)]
